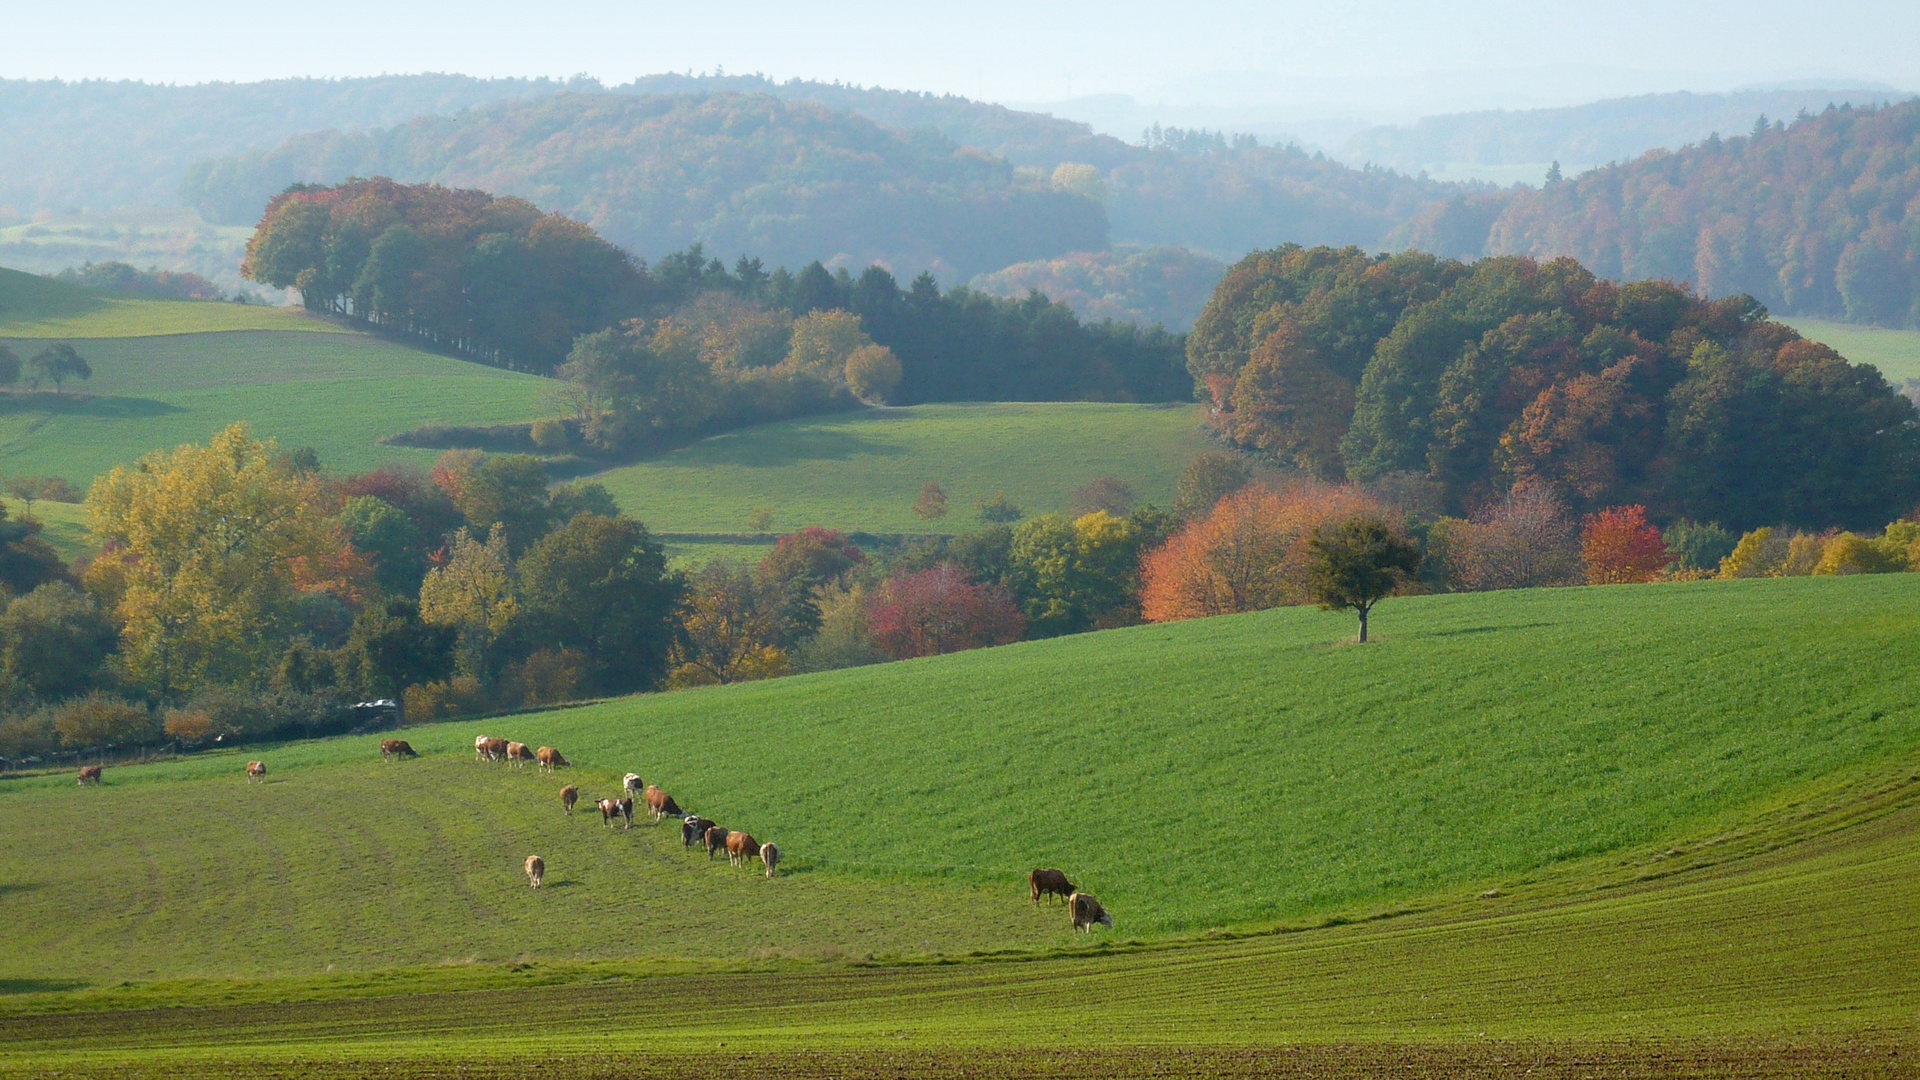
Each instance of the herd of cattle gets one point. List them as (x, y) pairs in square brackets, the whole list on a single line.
[(741, 847)]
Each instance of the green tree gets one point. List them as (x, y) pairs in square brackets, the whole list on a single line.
[(391, 648), (54, 639), (1357, 563), (57, 363), (599, 584), (27, 561), (998, 510), (385, 534), (9, 366), (1206, 480)]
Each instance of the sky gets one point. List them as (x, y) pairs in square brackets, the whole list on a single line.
[(1381, 58)]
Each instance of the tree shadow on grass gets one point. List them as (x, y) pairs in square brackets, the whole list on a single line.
[(38, 986), (103, 408), (831, 444), (1487, 629)]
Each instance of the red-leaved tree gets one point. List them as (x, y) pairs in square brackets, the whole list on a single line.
[(941, 610), (1620, 547)]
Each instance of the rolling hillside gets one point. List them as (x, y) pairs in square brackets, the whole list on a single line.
[(863, 470), (1895, 352), (172, 371)]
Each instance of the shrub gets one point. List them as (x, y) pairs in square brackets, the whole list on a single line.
[(1698, 545), (1525, 540), (544, 678), (1206, 480), (100, 719), (28, 734), (1850, 553), (1619, 547), (190, 727), (940, 610), (550, 434), (873, 373), (1109, 493), (997, 510), (1758, 554), (932, 502)]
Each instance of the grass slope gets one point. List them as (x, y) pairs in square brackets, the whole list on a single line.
[(864, 470), (64, 525), (35, 307), (1242, 770), (1895, 352), (335, 392)]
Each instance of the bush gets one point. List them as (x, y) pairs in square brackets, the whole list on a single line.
[(547, 677), (1523, 541), (1206, 480), (100, 719), (28, 734), (1619, 547), (190, 727), (873, 373), (997, 510), (1109, 493), (550, 434)]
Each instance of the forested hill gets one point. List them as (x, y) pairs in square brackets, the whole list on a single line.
[(102, 145), (1820, 216), (788, 181)]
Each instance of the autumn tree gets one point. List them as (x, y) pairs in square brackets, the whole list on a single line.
[(473, 594), (1619, 546), (204, 546), (730, 628), (799, 566), (932, 502), (823, 342), (940, 610), (1357, 563), (873, 373), (1524, 540), (100, 719)]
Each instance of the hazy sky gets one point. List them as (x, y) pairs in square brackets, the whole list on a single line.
[(1219, 51)]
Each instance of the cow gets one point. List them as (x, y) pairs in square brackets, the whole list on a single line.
[(393, 748), (1085, 911), (770, 854), (716, 840), (632, 785), (518, 754), (551, 759), (616, 808), (740, 848), (568, 796), (692, 829), (256, 770), (89, 774), (660, 804), (480, 746), (1049, 883), (490, 749), (536, 869)]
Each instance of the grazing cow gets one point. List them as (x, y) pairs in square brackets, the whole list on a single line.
[(740, 848), (1086, 911), (550, 759), (693, 828), (632, 784), (716, 840), (616, 808), (518, 754), (480, 746), (568, 796), (256, 770), (660, 804), (536, 869), (770, 854), (393, 748), (89, 774), (490, 749), (1048, 883)]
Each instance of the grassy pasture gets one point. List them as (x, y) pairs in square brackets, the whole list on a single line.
[(335, 392), (1254, 770), (1895, 352), (863, 470), (65, 524), (35, 307)]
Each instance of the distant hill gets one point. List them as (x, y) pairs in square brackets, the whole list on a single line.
[(1165, 285), (1618, 129), (785, 181)]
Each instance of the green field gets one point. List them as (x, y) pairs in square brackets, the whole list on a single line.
[(1895, 352), (65, 524), (1596, 817), (335, 392), (864, 470), (37, 307)]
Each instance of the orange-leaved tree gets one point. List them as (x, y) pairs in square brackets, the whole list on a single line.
[(1620, 547), (1250, 553)]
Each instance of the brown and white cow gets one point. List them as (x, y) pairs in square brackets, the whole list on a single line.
[(660, 804), (393, 748), (256, 770), (89, 774), (616, 808), (716, 839), (693, 829), (536, 869), (770, 854), (488, 748), (1049, 883), (550, 759), (568, 796), (1085, 911), (741, 847), (518, 754), (633, 785)]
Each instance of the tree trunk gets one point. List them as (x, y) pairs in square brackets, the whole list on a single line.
[(1363, 626)]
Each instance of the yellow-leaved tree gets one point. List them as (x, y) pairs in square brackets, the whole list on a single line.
[(821, 343), (203, 550), (474, 590)]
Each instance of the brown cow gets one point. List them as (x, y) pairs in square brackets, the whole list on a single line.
[(770, 854), (1085, 911), (550, 759), (393, 748), (616, 808), (518, 754), (660, 804), (89, 773), (256, 770), (740, 848), (568, 796), (488, 748), (536, 869), (716, 840), (1048, 883)]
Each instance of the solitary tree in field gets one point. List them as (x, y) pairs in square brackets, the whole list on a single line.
[(58, 363), (9, 366), (932, 502), (1358, 563)]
